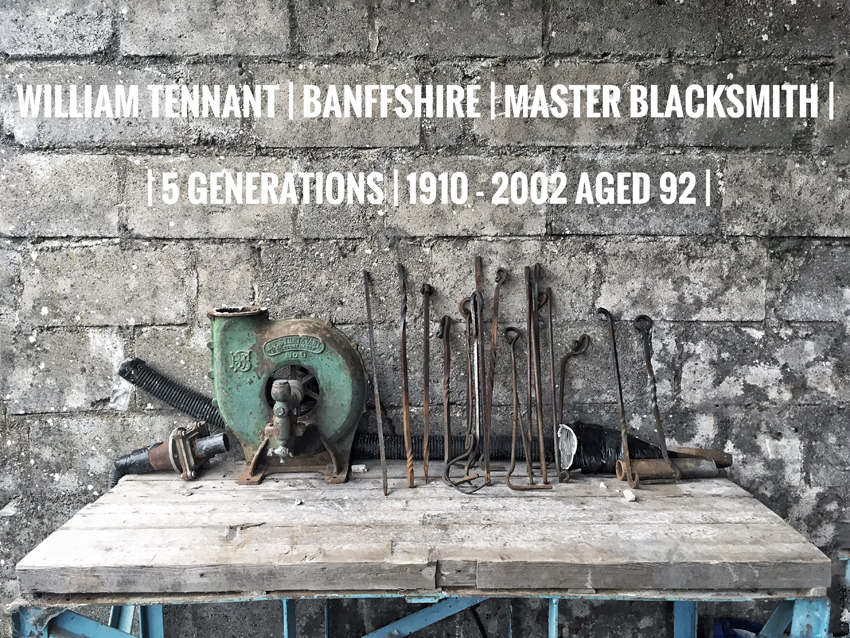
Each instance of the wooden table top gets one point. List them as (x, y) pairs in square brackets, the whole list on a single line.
[(154, 534)]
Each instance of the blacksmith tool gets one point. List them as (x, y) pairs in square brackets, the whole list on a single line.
[(405, 395), (534, 345), (643, 324), (443, 334), (378, 407), (511, 336), (501, 277), (563, 474), (632, 478), (470, 452), (427, 290), (576, 348), (481, 430)]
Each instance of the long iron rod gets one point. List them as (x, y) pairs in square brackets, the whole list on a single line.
[(578, 347), (501, 277), (378, 415), (426, 374), (562, 474), (538, 385), (405, 396), (643, 324), (529, 314), (624, 428), (445, 328)]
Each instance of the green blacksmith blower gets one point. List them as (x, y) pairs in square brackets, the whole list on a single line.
[(291, 390)]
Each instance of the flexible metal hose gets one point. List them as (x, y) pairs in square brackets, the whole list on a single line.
[(140, 374)]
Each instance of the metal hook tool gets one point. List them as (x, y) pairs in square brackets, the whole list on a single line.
[(625, 464), (470, 452), (511, 336), (576, 348)]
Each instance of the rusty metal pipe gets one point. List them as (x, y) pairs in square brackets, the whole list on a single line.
[(529, 314), (720, 458), (688, 468), (563, 474)]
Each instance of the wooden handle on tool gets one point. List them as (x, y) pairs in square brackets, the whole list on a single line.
[(649, 469)]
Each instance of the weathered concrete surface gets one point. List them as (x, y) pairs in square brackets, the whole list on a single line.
[(602, 27), (750, 293), (331, 27), (727, 132), (794, 196), (60, 371), (205, 28), (56, 196), (443, 28), (106, 284), (66, 28), (652, 218)]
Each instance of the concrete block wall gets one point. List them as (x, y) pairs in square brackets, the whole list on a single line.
[(749, 294)]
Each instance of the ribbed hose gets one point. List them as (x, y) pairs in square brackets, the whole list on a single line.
[(366, 447), (137, 372)]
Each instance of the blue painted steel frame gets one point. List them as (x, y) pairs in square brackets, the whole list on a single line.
[(809, 618), (33, 622)]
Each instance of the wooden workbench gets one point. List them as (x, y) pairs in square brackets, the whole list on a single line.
[(156, 536)]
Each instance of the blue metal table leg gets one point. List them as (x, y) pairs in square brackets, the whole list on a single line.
[(810, 619), (26, 622), (553, 618), (424, 617), (779, 620), (289, 618), (150, 621), (70, 624), (121, 617), (685, 619), (327, 618)]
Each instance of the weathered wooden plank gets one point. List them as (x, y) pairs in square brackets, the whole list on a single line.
[(224, 475), (296, 533), (327, 577), (166, 511), (72, 601), (661, 575), (590, 544), (148, 559)]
